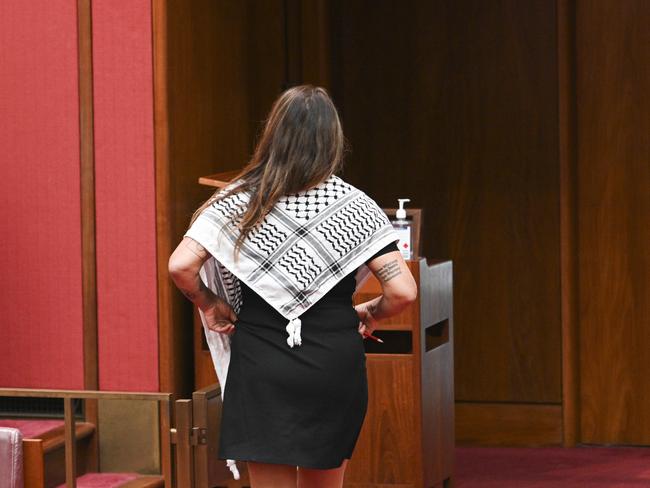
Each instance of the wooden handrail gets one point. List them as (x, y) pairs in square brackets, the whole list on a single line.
[(86, 394)]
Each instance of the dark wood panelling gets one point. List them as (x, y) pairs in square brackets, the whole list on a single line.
[(315, 51), (265, 69), (218, 68), (503, 424), (527, 149), (613, 141), (454, 104)]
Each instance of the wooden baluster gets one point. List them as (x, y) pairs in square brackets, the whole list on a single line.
[(70, 444)]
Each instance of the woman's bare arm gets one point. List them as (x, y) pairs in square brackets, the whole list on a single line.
[(399, 288), (184, 265)]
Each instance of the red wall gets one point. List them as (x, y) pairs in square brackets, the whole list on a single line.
[(40, 244), (41, 341), (125, 195)]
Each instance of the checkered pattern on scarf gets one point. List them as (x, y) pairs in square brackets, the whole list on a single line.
[(305, 245)]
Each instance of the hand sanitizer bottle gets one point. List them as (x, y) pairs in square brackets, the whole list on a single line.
[(403, 228)]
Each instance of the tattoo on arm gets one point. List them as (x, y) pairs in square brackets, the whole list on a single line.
[(194, 293), (389, 270), (197, 249)]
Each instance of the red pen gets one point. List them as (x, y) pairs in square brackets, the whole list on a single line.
[(374, 338)]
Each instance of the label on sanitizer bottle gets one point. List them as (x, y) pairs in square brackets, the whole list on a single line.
[(404, 243)]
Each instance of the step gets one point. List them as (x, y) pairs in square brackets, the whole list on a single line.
[(50, 431), (32, 428)]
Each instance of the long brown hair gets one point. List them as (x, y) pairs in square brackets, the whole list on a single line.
[(301, 145)]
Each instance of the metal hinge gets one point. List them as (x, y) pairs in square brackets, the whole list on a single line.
[(198, 435)]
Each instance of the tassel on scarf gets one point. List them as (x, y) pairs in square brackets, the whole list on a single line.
[(293, 328), (233, 468)]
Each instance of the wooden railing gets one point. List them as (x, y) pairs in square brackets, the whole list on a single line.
[(164, 420)]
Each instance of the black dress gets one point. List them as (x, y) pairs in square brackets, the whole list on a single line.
[(302, 406)]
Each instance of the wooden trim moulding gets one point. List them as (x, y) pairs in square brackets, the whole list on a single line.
[(87, 195), (87, 187), (162, 185), (566, 63)]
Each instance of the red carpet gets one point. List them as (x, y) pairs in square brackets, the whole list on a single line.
[(583, 467)]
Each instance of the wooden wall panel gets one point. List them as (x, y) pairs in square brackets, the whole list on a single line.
[(468, 109), (219, 66), (508, 424), (41, 326), (454, 104), (613, 143)]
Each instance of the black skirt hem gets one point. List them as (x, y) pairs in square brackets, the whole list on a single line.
[(277, 460)]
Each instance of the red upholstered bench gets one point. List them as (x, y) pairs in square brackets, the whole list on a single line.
[(32, 429), (43, 448), (43, 438)]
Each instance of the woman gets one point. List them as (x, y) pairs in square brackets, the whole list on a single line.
[(289, 239)]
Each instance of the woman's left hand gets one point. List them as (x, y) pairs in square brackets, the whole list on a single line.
[(220, 316), (367, 322)]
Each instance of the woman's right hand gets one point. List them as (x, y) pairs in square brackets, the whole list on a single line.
[(220, 316)]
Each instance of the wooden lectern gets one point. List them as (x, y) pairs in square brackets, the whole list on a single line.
[(407, 439)]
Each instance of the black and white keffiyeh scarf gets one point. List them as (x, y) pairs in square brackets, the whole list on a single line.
[(303, 247)]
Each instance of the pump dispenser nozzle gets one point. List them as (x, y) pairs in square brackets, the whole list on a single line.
[(401, 212)]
